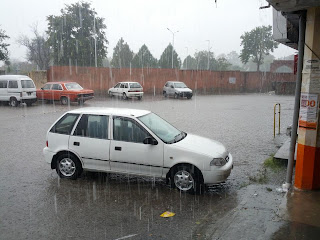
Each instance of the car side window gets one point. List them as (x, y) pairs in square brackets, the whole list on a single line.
[(47, 87), (13, 84), (122, 86), (125, 85), (167, 84), (93, 126), (116, 86), (65, 124), (56, 87), (3, 84), (128, 130)]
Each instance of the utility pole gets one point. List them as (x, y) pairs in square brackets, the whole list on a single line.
[(208, 51), (172, 45)]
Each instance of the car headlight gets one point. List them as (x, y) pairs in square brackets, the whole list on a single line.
[(218, 162)]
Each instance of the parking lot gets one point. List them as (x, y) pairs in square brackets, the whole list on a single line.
[(36, 204)]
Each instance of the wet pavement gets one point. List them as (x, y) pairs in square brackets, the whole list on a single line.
[(36, 204)]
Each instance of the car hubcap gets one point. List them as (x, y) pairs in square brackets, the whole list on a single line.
[(183, 180), (67, 167)]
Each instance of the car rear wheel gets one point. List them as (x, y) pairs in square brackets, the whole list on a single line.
[(68, 166), (64, 100), (187, 179), (13, 102)]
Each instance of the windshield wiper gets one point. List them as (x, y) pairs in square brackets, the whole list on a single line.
[(176, 138)]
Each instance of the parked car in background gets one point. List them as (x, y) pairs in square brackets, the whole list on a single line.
[(136, 142), (176, 90), (16, 89), (127, 90), (65, 92)]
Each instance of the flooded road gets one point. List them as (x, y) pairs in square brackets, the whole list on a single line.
[(36, 204)]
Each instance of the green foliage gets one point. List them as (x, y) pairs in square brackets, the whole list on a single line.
[(223, 64), (189, 63), (256, 44), (122, 55), (3, 46), (144, 58), (166, 58), (203, 63), (72, 36)]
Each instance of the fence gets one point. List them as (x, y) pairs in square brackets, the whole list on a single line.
[(153, 79)]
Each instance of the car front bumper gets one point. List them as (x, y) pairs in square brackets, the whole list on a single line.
[(185, 94), (218, 174)]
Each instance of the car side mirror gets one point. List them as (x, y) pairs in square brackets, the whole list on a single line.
[(150, 140)]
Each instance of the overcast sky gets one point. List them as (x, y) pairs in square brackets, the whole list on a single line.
[(146, 21)]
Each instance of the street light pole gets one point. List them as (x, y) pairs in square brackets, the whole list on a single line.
[(208, 51), (187, 58), (95, 41), (172, 44)]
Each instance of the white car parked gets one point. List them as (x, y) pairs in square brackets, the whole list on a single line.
[(136, 142), (176, 90), (126, 90), (16, 89)]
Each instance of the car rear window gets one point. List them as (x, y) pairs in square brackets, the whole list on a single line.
[(135, 85), (73, 86), (27, 84), (65, 124)]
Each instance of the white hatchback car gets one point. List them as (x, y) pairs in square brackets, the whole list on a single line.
[(126, 90), (136, 142)]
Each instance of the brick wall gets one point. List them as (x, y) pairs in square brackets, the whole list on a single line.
[(153, 79)]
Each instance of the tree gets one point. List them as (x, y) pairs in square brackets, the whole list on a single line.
[(189, 63), (256, 44), (165, 60), (223, 64), (77, 36), (38, 51), (234, 58), (122, 55), (202, 61), (144, 58), (3, 46)]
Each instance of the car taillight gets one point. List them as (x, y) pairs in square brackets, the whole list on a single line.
[(47, 143)]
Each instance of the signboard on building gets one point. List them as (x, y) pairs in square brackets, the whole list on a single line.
[(308, 117), (232, 80)]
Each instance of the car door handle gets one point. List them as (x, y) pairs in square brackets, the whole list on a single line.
[(76, 143), (117, 148)]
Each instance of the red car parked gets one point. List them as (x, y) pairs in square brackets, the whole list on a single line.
[(65, 92)]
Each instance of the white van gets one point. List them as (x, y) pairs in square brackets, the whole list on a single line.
[(17, 89)]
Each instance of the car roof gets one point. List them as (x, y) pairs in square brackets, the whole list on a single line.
[(175, 82), (60, 82), (111, 111), (15, 77), (128, 82)]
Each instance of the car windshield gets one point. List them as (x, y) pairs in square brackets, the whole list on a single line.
[(180, 85), (73, 86), (27, 84), (135, 85), (164, 130)]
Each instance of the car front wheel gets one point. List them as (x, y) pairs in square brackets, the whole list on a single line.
[(124, 96), (187, 179), (68, 166)]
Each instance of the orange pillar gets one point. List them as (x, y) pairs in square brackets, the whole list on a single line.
[(307, 174)]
